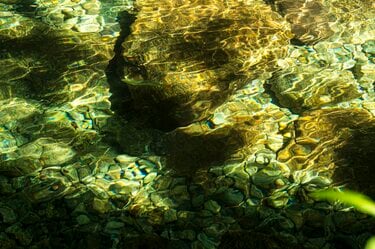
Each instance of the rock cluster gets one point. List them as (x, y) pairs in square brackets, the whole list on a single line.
[(241, 110)]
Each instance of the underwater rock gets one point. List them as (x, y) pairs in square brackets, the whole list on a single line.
[(313, 21), (327, 74), (318, 133), (183, 59), (229, 196), (246, 132), (22, 235), (8, 215), (320, 149), (310, 20), (316, 89)]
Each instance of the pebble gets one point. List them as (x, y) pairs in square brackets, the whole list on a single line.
[(231, 197), (150, 177), (236, 171), (170, 215), (91, 8), (87, 28), (206, 241), (125, 187), (113, 225), (180, 192), (30, 218), (197, 200), (100, 205), (263, 180), (9, 216), (215, 230), (212, 206), (187, 234), (83, 219), (256, 192), (22, 235), (5, 186)]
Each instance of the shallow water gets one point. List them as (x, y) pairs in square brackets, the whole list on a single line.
[(185, 124)]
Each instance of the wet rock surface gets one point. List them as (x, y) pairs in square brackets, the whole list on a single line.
[(223, 118)]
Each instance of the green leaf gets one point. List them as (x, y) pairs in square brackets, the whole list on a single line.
[(359, 201), (370, 243)]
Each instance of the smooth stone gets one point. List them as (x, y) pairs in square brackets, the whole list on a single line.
[(113, 225), (278, 199), (263, 158), (186, 215), (56, 17), (89, 7), (30, 218), (205, 213), (125, 159), (212, 206), (5, 186), (87, 28), (68, 12), (82, 219), (256, 192), (150, 177), (159, 201), (197, 200), (114, 172), (215, 230), (251, 169), (180, 192), (6, 242), (187, 234), (206, 242), (125, 187), (263, 180), (217, 171), (231, 197), (9, 216), (253, 202), (236, 171), (170, 215), (286, 224), (315, 243), (100, 205), (23, 236)]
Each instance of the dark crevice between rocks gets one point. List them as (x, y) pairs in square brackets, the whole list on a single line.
[(356, 161), (120, 98), (151, 123)]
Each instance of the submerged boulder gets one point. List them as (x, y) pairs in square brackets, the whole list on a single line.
[(183, 59)]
